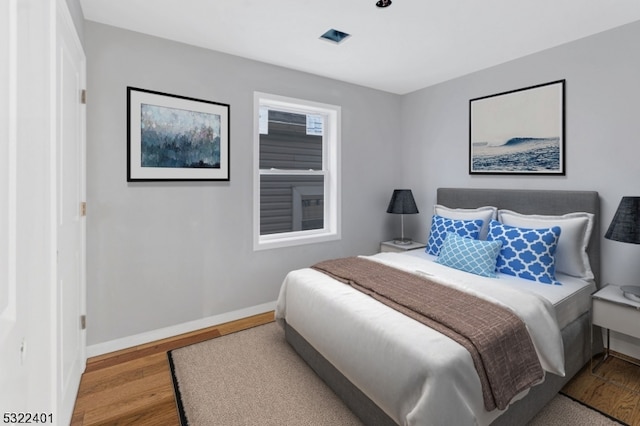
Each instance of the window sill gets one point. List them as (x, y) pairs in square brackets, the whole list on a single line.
[(281, 242)]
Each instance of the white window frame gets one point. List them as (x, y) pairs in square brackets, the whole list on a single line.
[(331, 171)]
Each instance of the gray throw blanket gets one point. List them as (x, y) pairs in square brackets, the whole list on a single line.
[(498, 341)]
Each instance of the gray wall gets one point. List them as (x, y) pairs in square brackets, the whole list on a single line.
[(160, 254), (602, 131)]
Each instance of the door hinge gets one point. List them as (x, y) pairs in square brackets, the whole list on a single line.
[(83, 208), (83, 322), (83, 96)]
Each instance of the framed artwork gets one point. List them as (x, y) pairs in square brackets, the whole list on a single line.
[(175, 138), (520, 132)]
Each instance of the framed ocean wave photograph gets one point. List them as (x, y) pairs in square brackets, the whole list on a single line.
[(176, 138), (519, 132)]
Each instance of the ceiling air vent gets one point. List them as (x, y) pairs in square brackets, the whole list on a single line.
[(335, 36)]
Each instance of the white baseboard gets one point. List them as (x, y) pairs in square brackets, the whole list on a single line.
[(163, 333)]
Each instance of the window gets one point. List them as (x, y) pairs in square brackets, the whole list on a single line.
[(296, 163)]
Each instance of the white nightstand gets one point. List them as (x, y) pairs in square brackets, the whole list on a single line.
[(393, 247), (612, 311)]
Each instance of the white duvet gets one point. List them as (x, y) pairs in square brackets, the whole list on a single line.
[(415, 374)]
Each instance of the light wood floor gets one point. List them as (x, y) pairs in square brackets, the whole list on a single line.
[(615, 390), (134, 386)]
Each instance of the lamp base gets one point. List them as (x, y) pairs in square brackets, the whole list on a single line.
[(631, 292), (402, 241)]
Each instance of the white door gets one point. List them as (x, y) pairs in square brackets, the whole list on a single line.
[(70, 140), (42, 182), (12, 330)]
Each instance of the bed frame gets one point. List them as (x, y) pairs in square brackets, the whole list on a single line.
[(576, 335)]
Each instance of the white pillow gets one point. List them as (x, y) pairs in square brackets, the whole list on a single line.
[(571, 254), (486, 214)]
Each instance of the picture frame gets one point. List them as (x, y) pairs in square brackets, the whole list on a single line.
[(519, 132), (176, 138)]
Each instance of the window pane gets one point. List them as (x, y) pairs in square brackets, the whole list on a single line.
[(291, 203), (288, 144), (297, 176)]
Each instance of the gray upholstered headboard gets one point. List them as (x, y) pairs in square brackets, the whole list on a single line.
[(529, 201)]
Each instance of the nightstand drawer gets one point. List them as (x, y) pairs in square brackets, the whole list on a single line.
[(617, 317)]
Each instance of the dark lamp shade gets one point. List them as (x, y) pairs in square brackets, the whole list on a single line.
[(402, 202), (625, 226)]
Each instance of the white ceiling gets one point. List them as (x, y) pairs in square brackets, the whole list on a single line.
[(407, 46)]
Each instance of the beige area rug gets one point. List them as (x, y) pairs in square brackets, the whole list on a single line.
[(254, 377)]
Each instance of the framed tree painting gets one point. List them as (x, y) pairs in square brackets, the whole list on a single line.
[(519, 132), (176, 138)]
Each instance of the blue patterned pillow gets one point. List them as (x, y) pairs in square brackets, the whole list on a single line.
[(526, 253), (475, 256), (441, 225)]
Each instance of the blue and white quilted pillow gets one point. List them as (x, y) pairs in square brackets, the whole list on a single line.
[(526, 253), (441, 225), (474, 256)]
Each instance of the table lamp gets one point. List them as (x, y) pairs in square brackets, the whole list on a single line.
[(402, 203), (625, 227)]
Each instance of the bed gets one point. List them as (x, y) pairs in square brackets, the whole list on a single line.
[(390, 369)]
